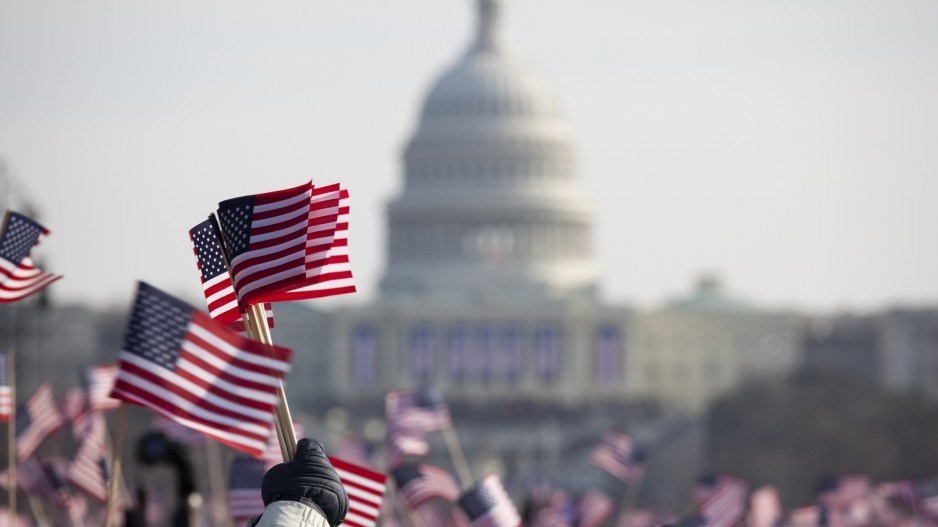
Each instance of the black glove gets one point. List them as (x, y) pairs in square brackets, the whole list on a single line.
[(308, 479)]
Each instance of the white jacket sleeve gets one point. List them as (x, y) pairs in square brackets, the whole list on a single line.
[(290, 514)]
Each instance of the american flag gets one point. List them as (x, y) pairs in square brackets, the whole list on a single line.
[(216, 281), (726, 504), (417, 410), (328, 271), (557, 513), (89, 471), (420, 482), (182, 364), (488, 505), (178, 433), (6, 391), (403, 442), (47, 481), (365, 489), (19, 278), (75, 410), (288, 245), (244, 493), (35, 420), (765, 507), (594, 508), (100, 381), (618, 455)]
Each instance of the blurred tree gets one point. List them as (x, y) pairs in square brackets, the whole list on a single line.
[(798, 431)]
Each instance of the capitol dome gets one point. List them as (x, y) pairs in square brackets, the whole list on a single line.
[(489, 206)]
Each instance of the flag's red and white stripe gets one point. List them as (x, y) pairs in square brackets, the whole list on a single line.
[(39, 418), (594, 508), (365, 489), (19, 277), (88, 470), (6, 391), (100, 383), (328, 270)]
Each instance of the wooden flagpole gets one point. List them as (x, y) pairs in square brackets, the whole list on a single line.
[(38, 512), (257, 318), (113, 489), (255, 322), (11, 436), (458, 457)]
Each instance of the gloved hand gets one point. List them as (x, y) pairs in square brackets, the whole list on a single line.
[(309, 478)]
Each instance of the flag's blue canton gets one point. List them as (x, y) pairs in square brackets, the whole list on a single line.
[(105, 468), (247, 473), (208, 249), (235, 216), (694, 520), (19, 237), (404, 474), (430, 399), (638, 455), (23, 420), (928, 487), (157, 326), (4, 379), (477, 502)]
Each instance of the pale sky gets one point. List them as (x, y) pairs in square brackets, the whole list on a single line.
[(789, 145)]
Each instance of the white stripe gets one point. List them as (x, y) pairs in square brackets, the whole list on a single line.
[(284, 202), (361, 498), (183, 403), (215, 281), (236, 353), (302, 212)]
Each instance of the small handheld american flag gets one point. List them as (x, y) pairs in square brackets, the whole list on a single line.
[(216, 281), (421, 482), (19, 277), (288, 244), (618, 455), (244, 493), (182, 364), (35, 421), (488, 505)]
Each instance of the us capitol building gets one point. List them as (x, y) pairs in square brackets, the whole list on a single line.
[(490, 289)]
